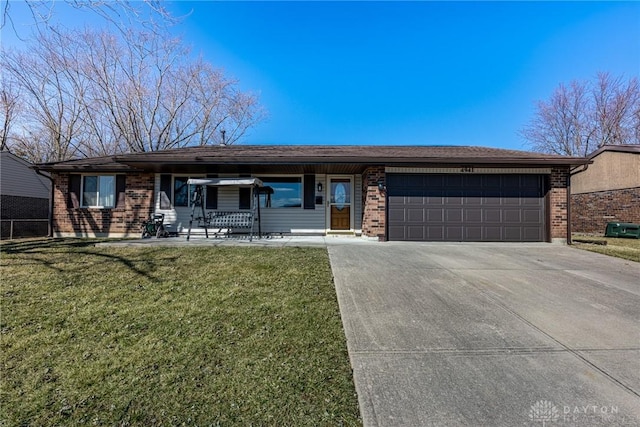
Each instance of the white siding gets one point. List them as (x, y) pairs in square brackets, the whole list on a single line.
[(282, 220)]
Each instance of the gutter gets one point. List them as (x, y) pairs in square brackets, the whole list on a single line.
[(51, 193)]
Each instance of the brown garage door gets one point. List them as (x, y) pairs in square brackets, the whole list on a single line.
[(466, 208)]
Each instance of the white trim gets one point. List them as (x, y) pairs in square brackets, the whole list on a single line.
[(327, 194), (115, 191), (173, 188), (468, 170)]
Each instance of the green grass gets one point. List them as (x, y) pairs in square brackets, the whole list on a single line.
[(171, 336), (625, 248)]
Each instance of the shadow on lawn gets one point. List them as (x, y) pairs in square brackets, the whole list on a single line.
[(35, 252), (30, 245)]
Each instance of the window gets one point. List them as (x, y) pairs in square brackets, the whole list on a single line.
[(287, 192), (98, 191), (183, 192)]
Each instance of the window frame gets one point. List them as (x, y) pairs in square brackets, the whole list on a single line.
[(266, 178), (114, 194), (189, 192)]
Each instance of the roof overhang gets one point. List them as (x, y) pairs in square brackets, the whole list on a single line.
[(301, 159)]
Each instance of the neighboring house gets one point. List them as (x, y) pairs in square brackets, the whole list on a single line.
[(24, 195), (607, 190), (420, 193)]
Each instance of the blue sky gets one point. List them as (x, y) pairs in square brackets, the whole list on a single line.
[(409, 73), (460, 73)]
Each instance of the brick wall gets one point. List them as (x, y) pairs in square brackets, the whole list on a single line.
[(120, 221), (590, 212), (374, 203), (558, 202)]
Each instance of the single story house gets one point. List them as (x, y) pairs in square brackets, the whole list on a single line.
[(418, 193), (24, 198), (607, 189)]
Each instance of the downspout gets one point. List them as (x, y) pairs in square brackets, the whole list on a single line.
[(569, 242), (50, 222), (575, 171)]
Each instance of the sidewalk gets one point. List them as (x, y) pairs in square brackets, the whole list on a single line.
[(271, 241)]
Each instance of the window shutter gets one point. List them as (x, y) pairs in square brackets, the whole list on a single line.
[(245, 198), (73, 196), (244, 194), (309, 192), (121, 186), (212, 195), (165, 191)]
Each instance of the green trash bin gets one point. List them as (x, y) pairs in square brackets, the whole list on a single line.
[(622, 229)]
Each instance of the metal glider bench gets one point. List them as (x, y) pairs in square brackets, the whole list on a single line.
[(226, 220)]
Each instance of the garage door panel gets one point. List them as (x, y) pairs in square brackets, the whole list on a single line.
[(434, 233), (435, 215), (492, 216), (510, 201), (416, 215), (466, 207), (512, 234), (532, 216), (415, 232), (453, 216), (473, 216), (531, 201), (488, 200), (492, 234), (396, 215), (417, 200), (473, 201), (473, 233), (531, 234), (454, 234), (512, 216), (454, 199)]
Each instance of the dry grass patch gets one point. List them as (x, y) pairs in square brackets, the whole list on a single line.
[(619, 247)]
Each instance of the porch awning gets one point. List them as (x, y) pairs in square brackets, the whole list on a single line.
[(222, 182)]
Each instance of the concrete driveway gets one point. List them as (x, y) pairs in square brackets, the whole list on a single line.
[(490, 334)]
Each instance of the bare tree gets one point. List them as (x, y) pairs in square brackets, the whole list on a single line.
[(8, 109), (122, 14), (97, 93), (50, 123), (584, 116)]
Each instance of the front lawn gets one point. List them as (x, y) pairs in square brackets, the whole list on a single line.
[(620, 247), (171, 336)]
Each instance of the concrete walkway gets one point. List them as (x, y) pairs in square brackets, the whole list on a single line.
[(272, 241), (490, 334)]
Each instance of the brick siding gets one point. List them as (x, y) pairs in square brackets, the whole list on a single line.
[(558, 203), (590, 212), (120, 221), (374, 203)]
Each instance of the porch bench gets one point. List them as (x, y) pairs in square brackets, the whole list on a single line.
[(228, 221)]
